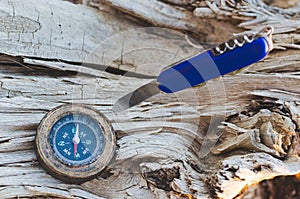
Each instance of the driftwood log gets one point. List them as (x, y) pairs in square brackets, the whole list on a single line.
[(214, 141)]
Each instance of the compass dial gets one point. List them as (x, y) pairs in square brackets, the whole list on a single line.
[(76, 139), (74, 143)]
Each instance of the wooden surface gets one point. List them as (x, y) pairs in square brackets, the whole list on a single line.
[(162, 143)]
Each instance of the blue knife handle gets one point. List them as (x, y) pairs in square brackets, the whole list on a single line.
[(226, 58)]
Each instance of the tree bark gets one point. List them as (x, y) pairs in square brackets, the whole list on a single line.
[(214, 141)]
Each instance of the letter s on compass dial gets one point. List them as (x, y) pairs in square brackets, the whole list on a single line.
[(74, 143)]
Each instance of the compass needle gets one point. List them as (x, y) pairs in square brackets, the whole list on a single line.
[(76, 140)]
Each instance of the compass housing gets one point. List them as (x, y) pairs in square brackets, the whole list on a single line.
[(55, 143)]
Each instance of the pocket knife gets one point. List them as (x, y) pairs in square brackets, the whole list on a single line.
[(227, 58)]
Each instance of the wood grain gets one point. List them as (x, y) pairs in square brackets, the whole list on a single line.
[(162, 142)]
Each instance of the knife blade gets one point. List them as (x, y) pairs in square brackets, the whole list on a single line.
[(137, 96), (227, 58)]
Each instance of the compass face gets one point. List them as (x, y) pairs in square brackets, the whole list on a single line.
[(74, 143), (76, 139)]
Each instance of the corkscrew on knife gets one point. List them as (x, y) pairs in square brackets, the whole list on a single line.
[(227, 58)]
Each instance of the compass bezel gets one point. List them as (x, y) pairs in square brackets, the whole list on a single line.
[(61, 170)]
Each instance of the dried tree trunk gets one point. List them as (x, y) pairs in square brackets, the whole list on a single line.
[(253, 118)]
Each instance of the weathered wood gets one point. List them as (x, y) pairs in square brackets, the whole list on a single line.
[(172, 126), (273, 188), (87, 36), (53, 30), (161, 142)]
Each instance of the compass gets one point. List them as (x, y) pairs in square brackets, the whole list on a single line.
[(74, 143)]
